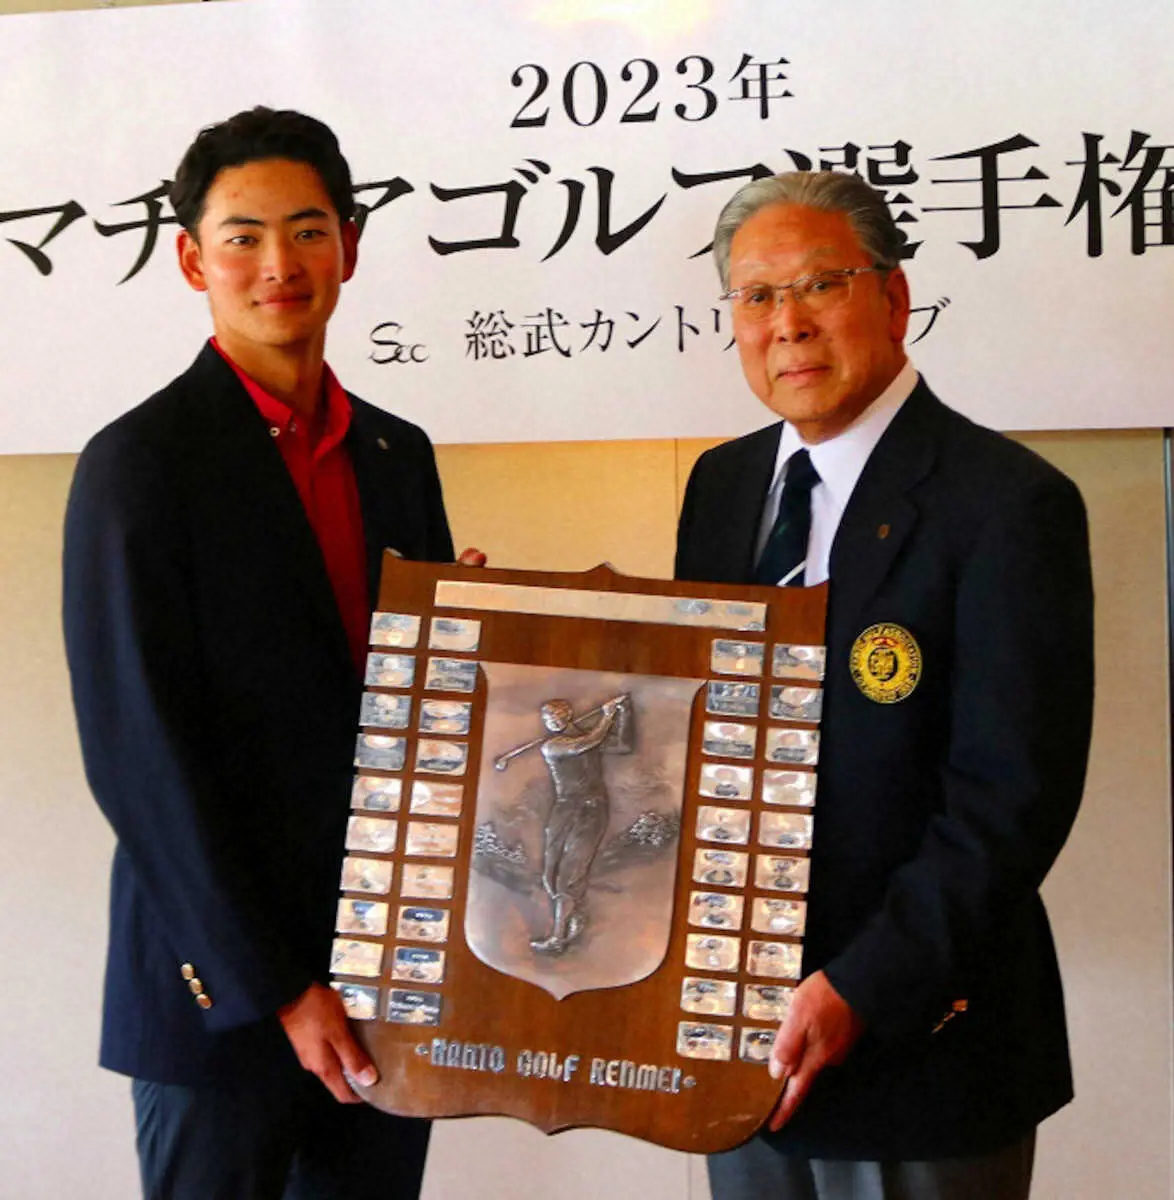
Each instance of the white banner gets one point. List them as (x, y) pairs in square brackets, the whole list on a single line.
[(540, 177)]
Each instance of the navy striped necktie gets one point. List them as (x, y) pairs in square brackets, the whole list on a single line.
[(784, 556)]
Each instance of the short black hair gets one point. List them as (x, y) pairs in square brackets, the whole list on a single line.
[(252, 136)]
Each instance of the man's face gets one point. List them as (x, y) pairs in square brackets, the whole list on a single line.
[(817, 370), (271, 255)]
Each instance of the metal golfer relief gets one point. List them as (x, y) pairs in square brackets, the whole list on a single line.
[(575, 882), (578, 828)]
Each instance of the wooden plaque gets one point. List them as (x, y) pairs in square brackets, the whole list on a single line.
[(576, 873)]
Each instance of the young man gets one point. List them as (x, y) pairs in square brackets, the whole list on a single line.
[(927, 1039), (222, 550)]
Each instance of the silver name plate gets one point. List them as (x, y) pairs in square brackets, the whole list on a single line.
[(601, 606)]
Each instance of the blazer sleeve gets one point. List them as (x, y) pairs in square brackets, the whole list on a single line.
[(131, 635), (1012, 776)]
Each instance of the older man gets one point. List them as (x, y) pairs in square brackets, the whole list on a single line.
[(927, 1039)]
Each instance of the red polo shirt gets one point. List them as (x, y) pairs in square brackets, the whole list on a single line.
[(316, 456)]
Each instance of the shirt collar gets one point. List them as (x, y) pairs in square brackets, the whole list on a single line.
[(841, 459), (281, 417)]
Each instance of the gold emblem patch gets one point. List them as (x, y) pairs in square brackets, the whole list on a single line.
[(885, 662)]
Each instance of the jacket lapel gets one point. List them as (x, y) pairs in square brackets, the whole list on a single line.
[(880, 515), (379, 497), (257, 493), (745, 490)]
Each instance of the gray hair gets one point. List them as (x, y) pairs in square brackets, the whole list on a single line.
[(827, 191)]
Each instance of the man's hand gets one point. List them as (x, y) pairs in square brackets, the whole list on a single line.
[(819, 1031), (472, 557), (316, 1026)]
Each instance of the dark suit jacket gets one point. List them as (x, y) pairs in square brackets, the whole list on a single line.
[(217, 704), (937, 817)]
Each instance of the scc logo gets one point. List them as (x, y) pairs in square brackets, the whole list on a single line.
[(391, 349)]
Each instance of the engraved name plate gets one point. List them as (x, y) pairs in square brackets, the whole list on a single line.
[(789, 787), (798, 662), (766, 1002), (723, 782), (384, 711), (413, 1008), (796, 703), (793, 746), (359, 999), (445, 716), (777, 960), (775, 873), (451, 675), (362, 916), (728, 698), (426, 881), (419, 924), (441, 758), (725, 739), (415, 964), (372, 875), (454, 635), (771, 914), (351, 957), (431, 798), (376, 793), (374, 834), (704, 1041), (426, 840), (730, 825), (720, 868), (755, 1045), (395, 629), (785, 830), (390, 670), (710, 952), (709, 997), (715, 910), (380, 751), (736, 658)]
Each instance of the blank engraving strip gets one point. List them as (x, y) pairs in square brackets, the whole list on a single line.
[(601, 606)]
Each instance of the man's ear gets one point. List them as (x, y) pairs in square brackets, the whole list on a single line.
[(191, 262), (350, 249), (897, 293)]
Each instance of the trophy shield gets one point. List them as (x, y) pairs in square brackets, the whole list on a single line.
[(576, 868)]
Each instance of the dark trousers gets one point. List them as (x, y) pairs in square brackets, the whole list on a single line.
[(756, 1172), (285, 1139)]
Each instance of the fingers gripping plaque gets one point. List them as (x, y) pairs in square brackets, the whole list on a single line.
[(576, 873)]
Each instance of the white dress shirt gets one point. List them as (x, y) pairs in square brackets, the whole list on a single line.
[(839, 462)]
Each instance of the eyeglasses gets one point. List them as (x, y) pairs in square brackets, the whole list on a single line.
[(823, 292)]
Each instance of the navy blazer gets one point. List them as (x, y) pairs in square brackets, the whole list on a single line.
[(938, 816), (217, 705)]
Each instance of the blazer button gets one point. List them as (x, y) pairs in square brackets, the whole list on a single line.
[(188, 971), (204, 1001), (196, 986)]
